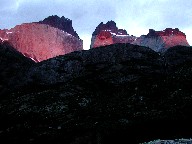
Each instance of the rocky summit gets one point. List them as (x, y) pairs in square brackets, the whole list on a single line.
[(161, 40), (62, 23), (120, 93), (43, 40), (106, 34)]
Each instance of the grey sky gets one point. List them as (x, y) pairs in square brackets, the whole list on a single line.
[(136, 16)]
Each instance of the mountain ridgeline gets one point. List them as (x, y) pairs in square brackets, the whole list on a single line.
[(106, 34), (123, 90), (56, 36)]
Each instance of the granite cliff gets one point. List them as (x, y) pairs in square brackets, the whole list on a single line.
[(43, 40), (161, 40), (120, 93), (62, 23), (106, 34)]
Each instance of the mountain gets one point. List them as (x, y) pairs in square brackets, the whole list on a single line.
[(106, 34), (161, 40), (120, 93), (62, 23), (43, 40)]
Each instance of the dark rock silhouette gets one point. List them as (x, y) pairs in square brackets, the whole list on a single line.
[(120, 93), (61, 23), (12, 67), (110, 25)]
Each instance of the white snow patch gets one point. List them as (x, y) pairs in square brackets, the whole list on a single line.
[(121, 35), (107, 30), (67, 33), (3, 39), (113, 33), (32, 58), (9, 32)]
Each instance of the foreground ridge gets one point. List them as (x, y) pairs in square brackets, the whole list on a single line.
[(176, 141), (121, 93)]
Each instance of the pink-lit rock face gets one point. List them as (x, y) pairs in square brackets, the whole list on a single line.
[(102, 39), (159, 40), (106, 34), (40, 41), (156, 40)]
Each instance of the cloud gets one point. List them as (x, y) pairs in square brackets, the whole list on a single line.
[(9, 5)]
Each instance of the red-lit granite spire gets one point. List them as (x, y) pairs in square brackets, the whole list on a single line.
[(106, 34)]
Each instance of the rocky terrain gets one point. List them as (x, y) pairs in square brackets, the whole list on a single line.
[(62, 23), (161, 40), (106, 34), (121, 93), (12, 66), (43, 40), (176, 141)]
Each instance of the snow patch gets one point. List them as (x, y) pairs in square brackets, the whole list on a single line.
[(3, 39), (113, 33), (32, 58), (65, 32), (107, 30), (9, 32), (121, 35)]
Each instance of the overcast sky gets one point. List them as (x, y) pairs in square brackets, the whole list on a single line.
[(136, 16)]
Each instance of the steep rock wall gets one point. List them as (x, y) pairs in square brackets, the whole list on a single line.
[(40, 41)]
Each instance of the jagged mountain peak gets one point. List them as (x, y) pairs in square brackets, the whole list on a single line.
[(109, 33), (111, 23), (61, 23), (43, 40), (161, 40), (106, 34), (166, 32), (110, 26)]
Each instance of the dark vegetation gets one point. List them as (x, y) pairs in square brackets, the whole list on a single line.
[(119, 94)]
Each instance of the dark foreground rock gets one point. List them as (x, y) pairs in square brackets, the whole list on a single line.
[(176, 141), (12, 67), (115, 94)]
